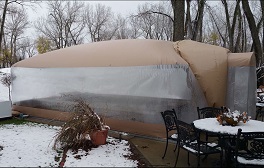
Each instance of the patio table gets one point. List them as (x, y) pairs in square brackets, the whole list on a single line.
[(227, 132), (212, 125)]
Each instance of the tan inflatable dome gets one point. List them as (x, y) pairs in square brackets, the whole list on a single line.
[(135, 79), (115, 53), (208, 62)]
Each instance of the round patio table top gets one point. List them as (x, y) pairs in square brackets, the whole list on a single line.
[(212, 125)]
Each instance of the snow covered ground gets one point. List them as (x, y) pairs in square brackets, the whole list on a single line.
[(30, 145)]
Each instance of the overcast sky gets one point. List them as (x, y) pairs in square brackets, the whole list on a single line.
[(122, 7)]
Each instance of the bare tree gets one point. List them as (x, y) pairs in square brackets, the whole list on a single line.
[(231, 27), (99, 22), (134, 29), (154, 21), (163, 23), (159, 20), (215, 31), (26, 49), (3, 18), (254, 31), (146, 21), (194, 28), (122, 28), (63, 25), (3, 23), (15, 27)]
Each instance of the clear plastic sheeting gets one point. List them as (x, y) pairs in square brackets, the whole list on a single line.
[(241, 89), (137, 93)]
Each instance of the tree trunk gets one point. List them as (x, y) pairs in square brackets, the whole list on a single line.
[(217, 27), (178, 24), (228, 25), (239, 34), (188, 24), (262, 11), (197, 32), (253, 30), (14, 57), (245, 34), (2, 24), (231, 27)]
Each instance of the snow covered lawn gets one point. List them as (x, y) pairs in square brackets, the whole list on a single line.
[(30, 145)]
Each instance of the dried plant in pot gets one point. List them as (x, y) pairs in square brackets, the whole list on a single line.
[(78, 132), (232, 117)]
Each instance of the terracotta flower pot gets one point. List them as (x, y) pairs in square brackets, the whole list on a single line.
[(99, 137), (231, 121)]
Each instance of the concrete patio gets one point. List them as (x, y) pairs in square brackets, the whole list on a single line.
[(153, 149)]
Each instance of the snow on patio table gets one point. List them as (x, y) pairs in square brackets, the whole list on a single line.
[(211, 124), (30, 145)]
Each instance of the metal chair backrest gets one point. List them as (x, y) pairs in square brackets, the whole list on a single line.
[(209, 112), (169, 117), (186, 132)]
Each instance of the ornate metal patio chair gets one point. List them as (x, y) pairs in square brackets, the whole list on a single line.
[(189, 140), (209, 112), (169, 117), (249, 149)]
